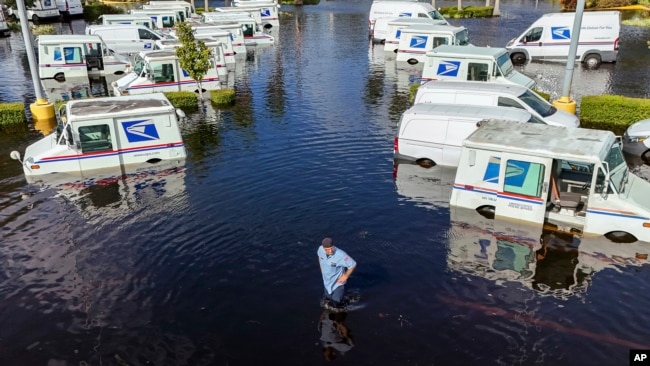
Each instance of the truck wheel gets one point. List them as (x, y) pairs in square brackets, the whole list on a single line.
[(518, 58), (646, 157), (60, 77), (486, 211), (412, 61), (592, 60), (425, 163), (621, 237), (35, 18)]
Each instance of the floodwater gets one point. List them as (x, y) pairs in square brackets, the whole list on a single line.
[(212, 260)]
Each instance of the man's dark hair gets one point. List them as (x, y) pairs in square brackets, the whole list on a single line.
[(327, 243)]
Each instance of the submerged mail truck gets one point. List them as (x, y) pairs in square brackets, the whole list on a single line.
[(458, 63), (432, 134), (549, 38), (394, 29), (416, 40), (110, 132), (390, 9), (574, 179)]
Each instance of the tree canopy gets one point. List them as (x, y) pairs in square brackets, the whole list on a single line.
[(193, 55)]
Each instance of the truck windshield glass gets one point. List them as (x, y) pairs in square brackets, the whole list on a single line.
[(505, 65), (536, 102), (617, 168), (139, 65), (434, 14), (462, 38)]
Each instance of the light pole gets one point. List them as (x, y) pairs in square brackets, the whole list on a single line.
[(565, 102), (41, 109)]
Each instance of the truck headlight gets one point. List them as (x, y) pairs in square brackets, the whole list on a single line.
[(636, 138)]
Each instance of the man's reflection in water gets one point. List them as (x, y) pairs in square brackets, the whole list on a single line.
[(335, 336)]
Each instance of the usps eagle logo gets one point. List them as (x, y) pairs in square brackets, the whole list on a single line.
[(448, 68), (418, 41), (265, 12), (140, 130), (563, 33)]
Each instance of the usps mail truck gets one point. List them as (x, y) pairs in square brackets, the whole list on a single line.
[(416, 40), (549, 38), (459, 63), (394, 29), (390, 9)]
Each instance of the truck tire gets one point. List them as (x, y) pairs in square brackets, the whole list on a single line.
[(592, 60), (487, 211), (621, 237), (518, 58), (412, 61), (35, 18), (60, 77), (426, 163), (646, 157)]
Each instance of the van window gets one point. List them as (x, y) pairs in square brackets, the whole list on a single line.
[(95, 138), (537, 103), (462, 38), (524, 178), (505, 65), (93, 49), (533, 35), (163, 73), (437, 41), (477, 71), (423, 15), (434, 14), (147, 34), (248, 30), (509, 102), (600, 183)]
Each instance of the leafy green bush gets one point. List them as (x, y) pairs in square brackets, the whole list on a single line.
[(467, 12), (42, 29), (543, 95), (93, 10), (12, 114), (185, 100), (413, 89), (612, 112), (222, 97)]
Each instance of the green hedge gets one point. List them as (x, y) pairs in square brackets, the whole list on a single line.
[(467, 12), (612, 112), (185, 100), (12, 114), (93, 10), (222, 97)]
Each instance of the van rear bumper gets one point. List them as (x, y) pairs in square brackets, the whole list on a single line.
[(608, 56)]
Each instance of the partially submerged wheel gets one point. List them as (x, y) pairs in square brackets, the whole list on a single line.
[(35, 18), (518, 58), (646, 157), (425, 163), (592, 60), (621, 237), (412, 61), (487, 211), (59, 77)]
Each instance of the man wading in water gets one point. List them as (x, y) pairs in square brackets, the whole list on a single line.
[(336, 267)]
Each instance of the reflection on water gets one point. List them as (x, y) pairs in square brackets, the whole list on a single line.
[(550, 262)]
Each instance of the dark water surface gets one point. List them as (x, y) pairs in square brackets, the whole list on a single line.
[(212, 261)]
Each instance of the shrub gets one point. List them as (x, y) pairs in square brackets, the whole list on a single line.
[(12, 114), (93, 10), (222, 97), (185, 100), (467, 12), (413, 89), (543, 95), (612, 112), (42, 29)]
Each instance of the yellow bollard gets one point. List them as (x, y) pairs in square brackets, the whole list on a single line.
[(42, 109), (566, 104), (45, 126)]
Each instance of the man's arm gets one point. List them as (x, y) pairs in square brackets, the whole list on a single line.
[(344, 277)]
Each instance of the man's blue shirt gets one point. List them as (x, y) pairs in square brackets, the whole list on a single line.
[(332, 267)]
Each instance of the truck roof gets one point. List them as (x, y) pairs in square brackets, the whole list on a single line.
[(464, 51), (542, 140), (67, 38), (410, 21), (117, 106), (423, 28), (469, 111), (585, 14), (513, 89)]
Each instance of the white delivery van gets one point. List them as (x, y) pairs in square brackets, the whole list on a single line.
[(126, 39), (178, 10), (215, 46), (70, 8), (549, 38), (235, 15), (223, 37), (494, 94), (394, 28), (4, 28), (268, 13), (67, 56), (100, 133), (165, 19), (160, 71), (416, 40), (432, 134), (189, 9), (41, 10), (458, 63), (134, 19), (574, 179), (246, 24), (390, 9)]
